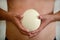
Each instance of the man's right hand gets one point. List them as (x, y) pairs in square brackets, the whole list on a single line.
[(14, 19), (17, 21)]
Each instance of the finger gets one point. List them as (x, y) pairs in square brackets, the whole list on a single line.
[(38, 17), (24, 30), (35, 31), (40, 27), (41, 16), (43, 25), (24, 33), (19, 17), (33, 35), (21, 27)]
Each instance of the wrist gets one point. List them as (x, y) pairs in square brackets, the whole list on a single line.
[(9, 17), (57, 16), (53, 18)]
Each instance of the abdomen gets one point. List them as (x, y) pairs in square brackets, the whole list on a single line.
[(48, 33)]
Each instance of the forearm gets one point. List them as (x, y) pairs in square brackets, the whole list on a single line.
[(57, 16), (4, 15)]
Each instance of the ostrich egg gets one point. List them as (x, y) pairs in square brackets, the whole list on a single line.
[(30, 20)]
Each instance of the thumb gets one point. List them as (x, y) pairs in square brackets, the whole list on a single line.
[(41, 17), (19, 17)]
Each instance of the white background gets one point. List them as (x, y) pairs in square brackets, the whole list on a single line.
[(56, 9), (3, 5)]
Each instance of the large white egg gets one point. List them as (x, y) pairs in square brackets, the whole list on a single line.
[(30, 20)]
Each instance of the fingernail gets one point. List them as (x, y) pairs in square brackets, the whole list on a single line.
[(38, 17)]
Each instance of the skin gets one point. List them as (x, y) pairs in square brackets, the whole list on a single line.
[(21, 5), (47, 19), (14, 9), (11, 18)]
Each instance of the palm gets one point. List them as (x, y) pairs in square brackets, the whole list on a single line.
[(45, 20), (18, 24)]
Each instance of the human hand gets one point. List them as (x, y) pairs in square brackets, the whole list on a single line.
[(23, 30), (16, 20), (45, 20)]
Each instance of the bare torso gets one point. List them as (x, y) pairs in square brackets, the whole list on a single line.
[(17, 7)]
